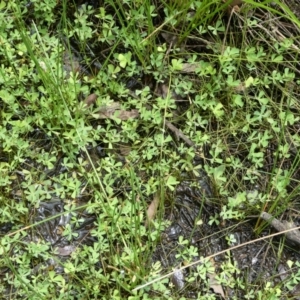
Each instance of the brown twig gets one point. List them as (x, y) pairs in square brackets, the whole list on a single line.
[(180, 134), (293, 236)]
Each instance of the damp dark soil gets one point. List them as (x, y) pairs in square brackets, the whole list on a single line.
[(189, 209), (188, 214)]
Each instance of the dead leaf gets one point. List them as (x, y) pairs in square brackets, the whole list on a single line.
[(164, 92), (109, 110), (189, 67), (127, 114), (71, 63), (152, 209), (213, 283), (65, 251), (91, 99), (241, 88), (113, 110), (169, 37), (233, 5), (125, 149)]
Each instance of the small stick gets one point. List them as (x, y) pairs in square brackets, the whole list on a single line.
[(293, 236), (180, 134)]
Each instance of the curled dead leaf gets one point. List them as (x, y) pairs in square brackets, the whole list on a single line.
[(152, 209), (233, 5), (214, 284), (90, 99)]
